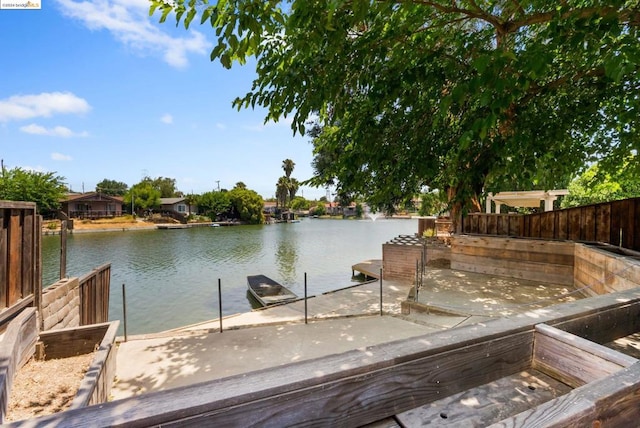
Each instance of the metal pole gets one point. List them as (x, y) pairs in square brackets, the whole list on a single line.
[(380, 291), (124, 311), (220, 303), (305, 298), (415, 295), (63, 249)]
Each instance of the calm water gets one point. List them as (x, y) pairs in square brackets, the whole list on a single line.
[(171, 276)]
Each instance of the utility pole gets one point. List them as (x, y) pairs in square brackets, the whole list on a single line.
[(218, 183)]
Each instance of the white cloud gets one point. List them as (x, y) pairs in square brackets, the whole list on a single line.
[(46, 104), (57, 131), (60, 157), (221, 126), (167, 118), (129, 22)]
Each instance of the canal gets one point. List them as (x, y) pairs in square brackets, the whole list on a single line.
[(171, 276)]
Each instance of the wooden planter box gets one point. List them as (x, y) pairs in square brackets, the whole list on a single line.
[(96, 385)]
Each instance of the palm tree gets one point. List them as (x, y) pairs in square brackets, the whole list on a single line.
[(282, 191), (294, 185), (288, 166)]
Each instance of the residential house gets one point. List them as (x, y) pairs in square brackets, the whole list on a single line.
[(177, 207), (91, 205)]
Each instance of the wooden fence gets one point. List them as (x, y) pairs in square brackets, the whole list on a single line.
[(20, 258), (616, 223), (94, 295)]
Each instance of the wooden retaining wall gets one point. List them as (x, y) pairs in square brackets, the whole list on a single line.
[(20, 258), (536, 260), (18, 344), (601, 269), (96, 384), (364, 386), (616, 223)]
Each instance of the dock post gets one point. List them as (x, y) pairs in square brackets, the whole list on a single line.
[(124, 312), (305, 298), (220, 303), (415, 295), (380, 291)]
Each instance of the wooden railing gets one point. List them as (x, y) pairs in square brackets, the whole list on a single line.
[(94, 295), (20, 257), (616, 223)]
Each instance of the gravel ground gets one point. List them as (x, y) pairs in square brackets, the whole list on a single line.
[(46, 387)]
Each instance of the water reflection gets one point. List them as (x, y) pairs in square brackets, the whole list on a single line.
[(171, 276)]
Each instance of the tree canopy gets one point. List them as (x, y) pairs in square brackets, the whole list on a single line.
[(594, 186), (112, 187), (465, 96), (142, 196), (46, 189), (247, 205)]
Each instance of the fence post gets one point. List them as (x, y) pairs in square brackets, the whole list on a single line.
[(305, 298), (380, 291), (220, 303), (124, 311)]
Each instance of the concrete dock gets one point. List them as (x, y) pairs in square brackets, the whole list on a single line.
[(338, 321)]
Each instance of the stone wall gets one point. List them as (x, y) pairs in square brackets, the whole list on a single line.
[(61, 305)]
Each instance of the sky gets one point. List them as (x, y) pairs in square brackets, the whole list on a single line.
[(97, 89)]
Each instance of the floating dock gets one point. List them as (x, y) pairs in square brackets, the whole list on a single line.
[(369, 268)]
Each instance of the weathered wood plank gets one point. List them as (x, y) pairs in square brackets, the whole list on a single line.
[(541, 272), (487, 404), (610, 402), (604, 323), (17, 346), (4, 257), (547, 225), (602, 222), (515, 244), (572, 359), (588, 223), (28, 253), (95, 387), (69, 342), (14, 269), (528, 255), (563, 224), (38, 270)]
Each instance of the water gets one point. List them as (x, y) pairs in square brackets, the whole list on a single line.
[(171, 276)]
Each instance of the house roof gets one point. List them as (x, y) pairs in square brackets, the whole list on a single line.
[(91, 196), (171, 201)]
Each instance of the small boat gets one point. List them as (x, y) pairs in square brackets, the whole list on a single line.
[(267, 291)]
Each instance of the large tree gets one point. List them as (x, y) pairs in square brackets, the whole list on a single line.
[(216, 205), (112, 187), (462, 95), (247, 204), (142, 197), (46, 189)]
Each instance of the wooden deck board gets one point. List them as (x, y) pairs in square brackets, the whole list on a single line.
[(370, 268), (488, 403)]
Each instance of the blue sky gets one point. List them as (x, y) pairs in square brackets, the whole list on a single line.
[(96, 89)]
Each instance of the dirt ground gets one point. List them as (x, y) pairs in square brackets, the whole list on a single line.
[(46, 387), (124, 223)]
